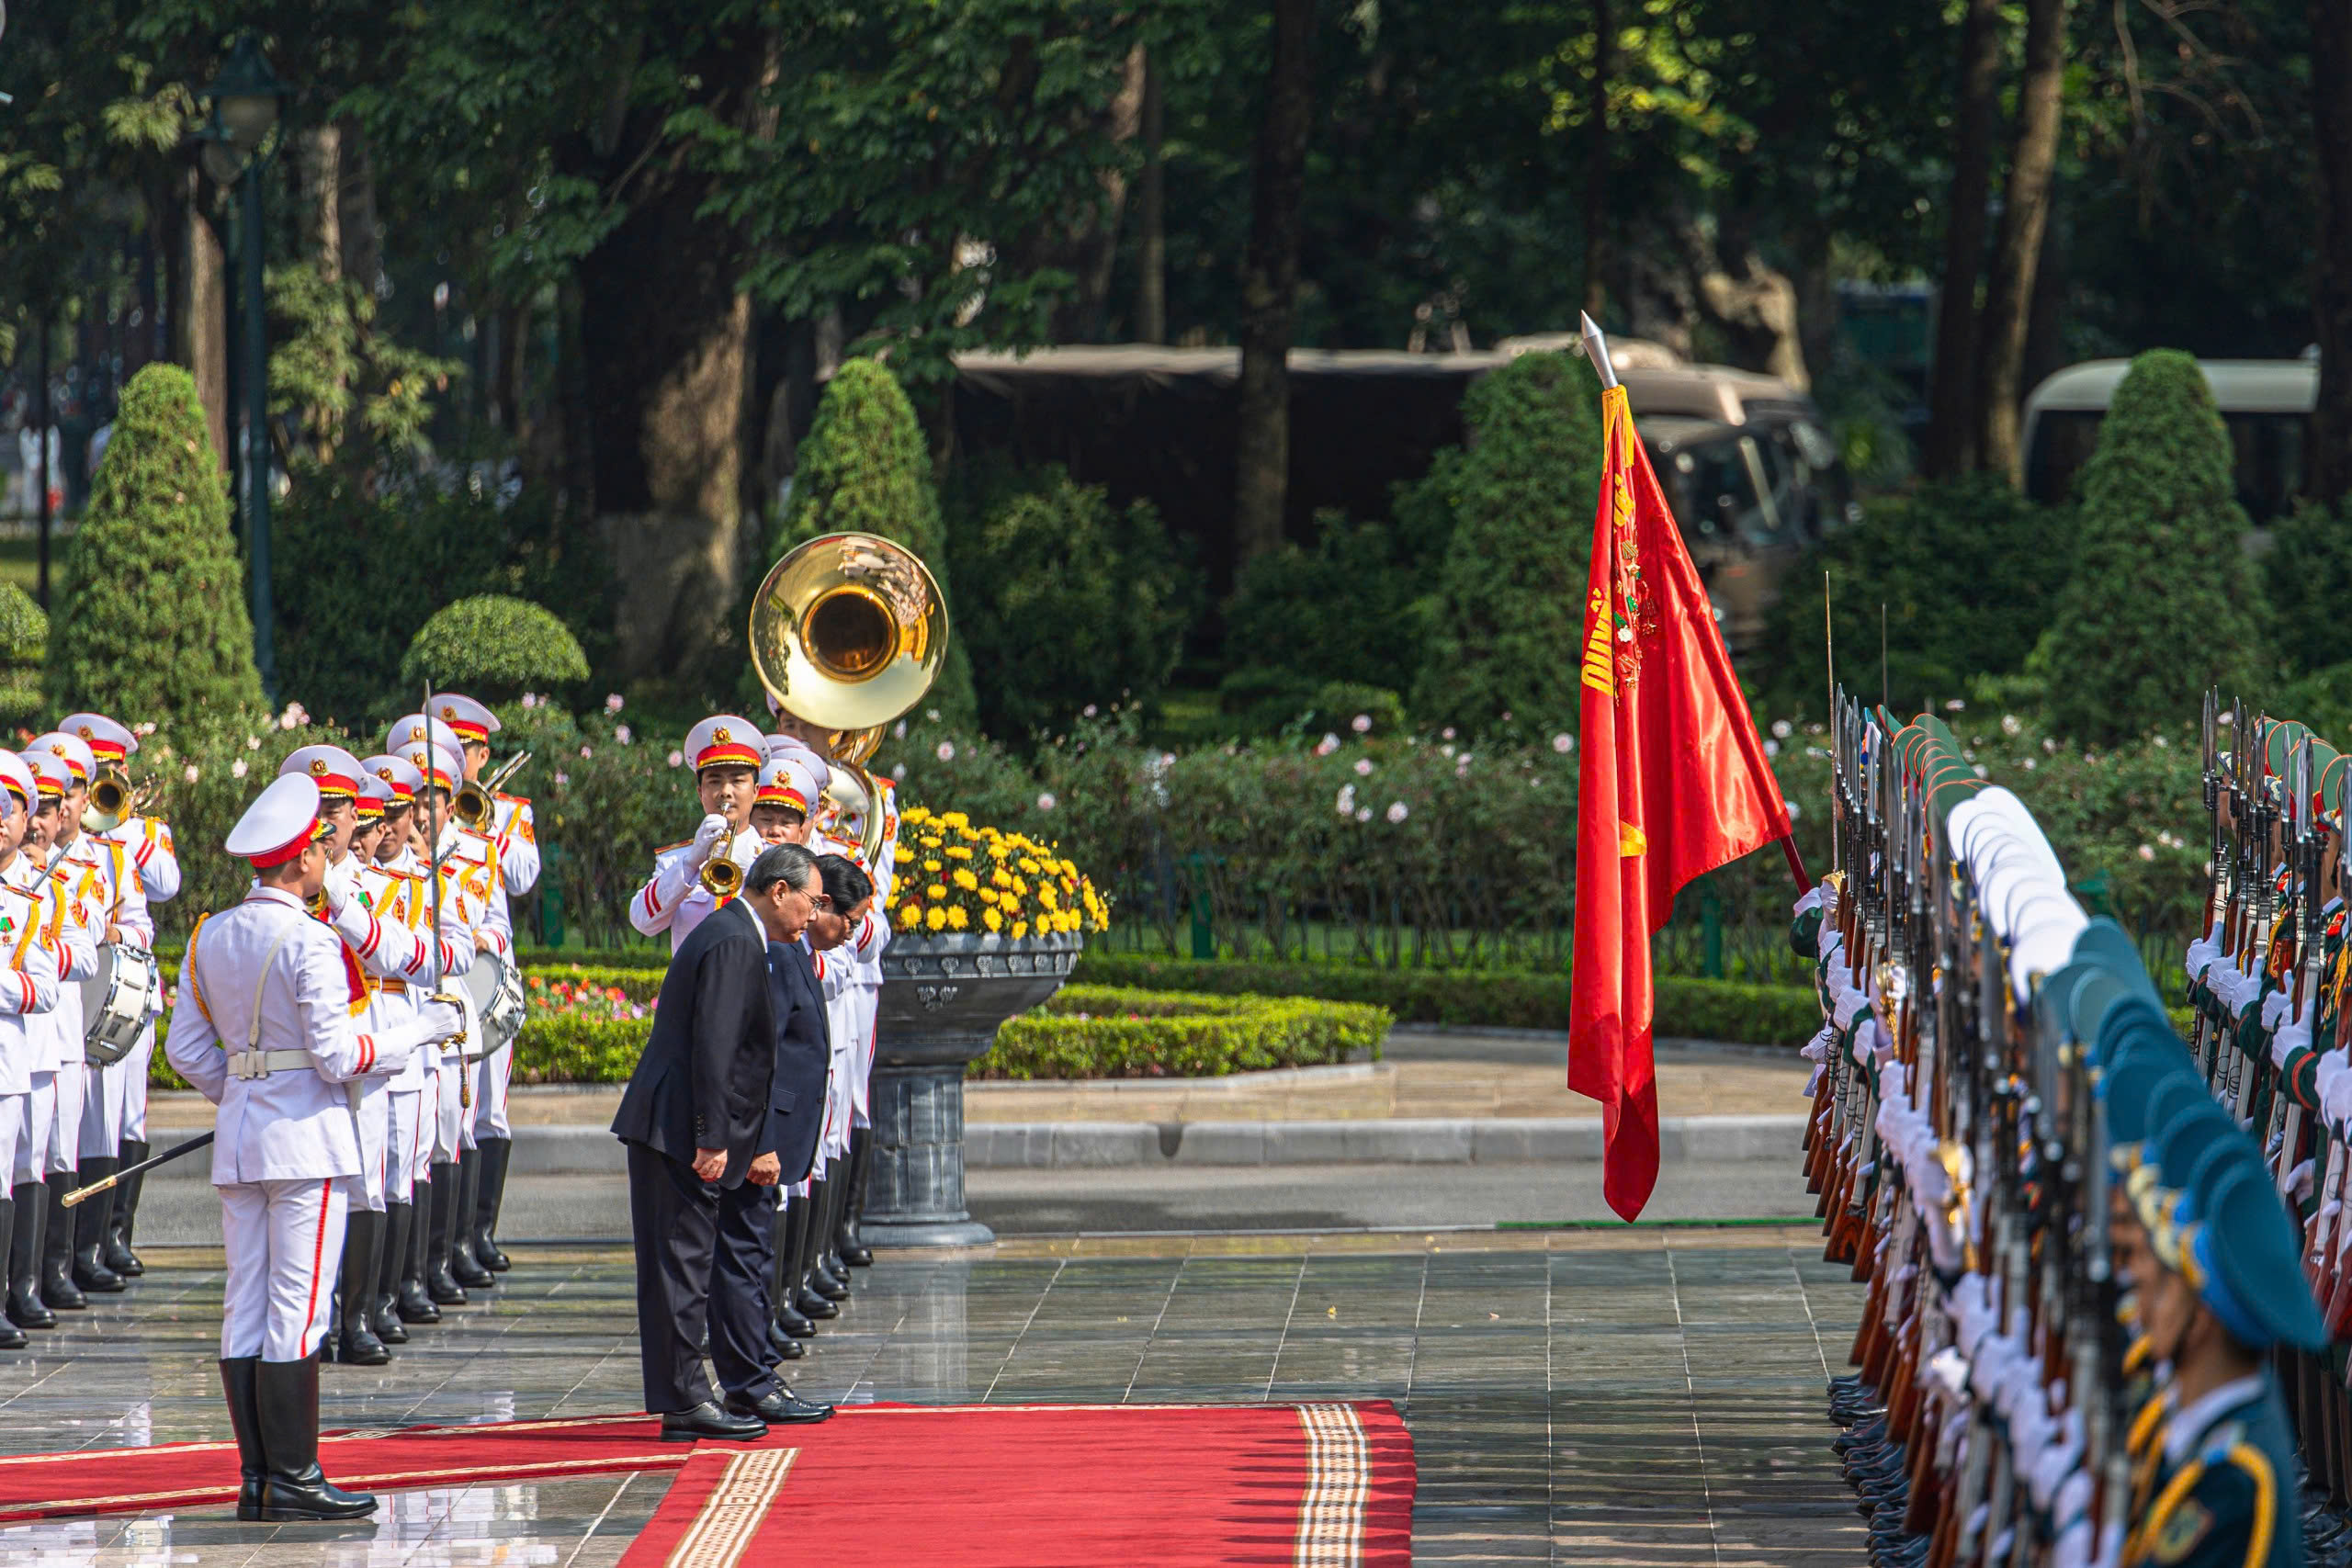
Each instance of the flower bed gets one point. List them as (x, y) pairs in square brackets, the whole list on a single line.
[(1102, 1031)]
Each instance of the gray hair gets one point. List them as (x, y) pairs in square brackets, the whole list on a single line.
[(787, 864)]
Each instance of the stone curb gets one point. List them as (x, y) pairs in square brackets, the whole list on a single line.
[(1079, 1145)]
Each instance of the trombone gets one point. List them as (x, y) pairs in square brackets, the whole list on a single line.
[(112, 802), (473, 805)]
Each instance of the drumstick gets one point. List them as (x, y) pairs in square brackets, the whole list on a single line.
[(173, 1153)]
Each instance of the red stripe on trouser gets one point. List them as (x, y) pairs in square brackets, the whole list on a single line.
[(318, 1257)]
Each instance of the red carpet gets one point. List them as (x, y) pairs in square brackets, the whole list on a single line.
[(957, 1486)]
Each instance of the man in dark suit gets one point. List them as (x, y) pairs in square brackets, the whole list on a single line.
[(695, 1117)]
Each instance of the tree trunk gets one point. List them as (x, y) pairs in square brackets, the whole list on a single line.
[(358, 241), (197, 282), (320, 152), (2008, 294), (1949, 447), (1151, 249), (1098, 245), (1269, 284), (1596, 168), (2329, 450)]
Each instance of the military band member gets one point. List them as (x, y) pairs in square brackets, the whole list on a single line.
[(464, 861), (148, 841), (780, 807), (48, 1154), (265, 1028), (28, 989), (726, 754), (515, 839)]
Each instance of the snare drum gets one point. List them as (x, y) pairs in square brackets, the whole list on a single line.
[(496, 987), (116, 1002)]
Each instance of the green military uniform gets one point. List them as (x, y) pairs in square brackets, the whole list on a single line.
[(2227, 1500)]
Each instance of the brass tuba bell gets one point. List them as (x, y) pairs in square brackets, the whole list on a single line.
[(848, 632)]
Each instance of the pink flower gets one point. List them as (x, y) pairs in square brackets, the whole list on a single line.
[(612, 701), (1564, 743), (1361, 724), (189, 773), (1089, 710), (677, 758), (1364, 814), (1328, 744), (529, 701), (1396, 812), (562, 779), (1046, 801), (621, 734), (237, 769), (253, 742), (947, 751), (1363, 767), (586, 752), (1449, 732)]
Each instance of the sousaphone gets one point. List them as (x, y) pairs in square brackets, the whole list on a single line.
[(848, 632)]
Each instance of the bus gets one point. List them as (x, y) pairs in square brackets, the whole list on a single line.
[(2265, 404)]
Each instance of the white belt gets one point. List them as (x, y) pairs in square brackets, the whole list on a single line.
[(259, 1064)]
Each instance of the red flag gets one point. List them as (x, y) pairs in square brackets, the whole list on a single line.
[(1671, 782)]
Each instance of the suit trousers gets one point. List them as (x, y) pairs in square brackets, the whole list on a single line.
[(740, 1309), (689, 1246)]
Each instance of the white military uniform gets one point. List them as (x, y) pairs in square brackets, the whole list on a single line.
[(104, 883), (28, 991), (470, 862), (673, 900), (149, 842), (52, 1128), (266, 1027)]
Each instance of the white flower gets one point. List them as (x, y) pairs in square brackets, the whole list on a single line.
[(1447, 734), (1794, 811), (2029, 764), (253, 742), (621, 733), (1445, 751), (900, 729), (189, 773), (931, 714), (1564, 743), (1089, 710), (1955, 705), (899, 772), (237, 769), (1983, 771), (2009, 724), (2050, 746), (1328, 744), (2147, 852), (1046, 801), (146, 728), (562, 779), (586, 752), (612, 701), (1771, 748), (1363, 767), (677, 758), (947, 751), (1462, 763), (1396, 812), (286, 721), (1780, 728), (1364, 814), (1347, 800), (529, 701), (2163, 743), (1361, 724)]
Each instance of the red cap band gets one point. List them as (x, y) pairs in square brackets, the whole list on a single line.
[(290, 851)]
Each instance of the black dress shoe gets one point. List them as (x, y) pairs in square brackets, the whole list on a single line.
[(780, 1408), (708, 1420), (812, 1305)]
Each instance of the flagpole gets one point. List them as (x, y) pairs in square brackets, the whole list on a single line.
[(1596, 348)]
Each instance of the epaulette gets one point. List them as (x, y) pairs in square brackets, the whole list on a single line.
[(666, 848), (514, 799)]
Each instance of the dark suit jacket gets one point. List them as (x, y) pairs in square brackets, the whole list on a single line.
[(704, 1080), (803, 1049)]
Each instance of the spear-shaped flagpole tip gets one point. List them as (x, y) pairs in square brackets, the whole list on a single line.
[(1596, 348)]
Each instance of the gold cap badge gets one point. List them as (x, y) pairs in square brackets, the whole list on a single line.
[(318, 767), (723, 735), (86, 732)]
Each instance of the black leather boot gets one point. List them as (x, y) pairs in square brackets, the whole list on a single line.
[(92, 1218), (494, 1153), (464, 1267), (11, 1336), (356, 1344), (823, 1280), (57, 1286), (117, 1254), (414, 1302), (792, 1225), (807, 1234), (847, 1244), (439, 1283), (238, 1376), (25, 1307), (294, 1487), (383, 1295)]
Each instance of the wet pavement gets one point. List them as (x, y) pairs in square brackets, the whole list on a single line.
[(1643, 1396)]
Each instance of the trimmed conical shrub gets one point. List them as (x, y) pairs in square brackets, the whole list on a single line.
[(2162, 602), (864, 469), (1502, 652), (495, 648), (151, 621)]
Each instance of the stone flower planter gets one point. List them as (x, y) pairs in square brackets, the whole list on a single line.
[(942, 998)]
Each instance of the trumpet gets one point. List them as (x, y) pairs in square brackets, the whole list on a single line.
[(473, 806), (112, 802)]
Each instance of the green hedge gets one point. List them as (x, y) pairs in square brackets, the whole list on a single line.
[(1102, 1031), (1695, 1009)]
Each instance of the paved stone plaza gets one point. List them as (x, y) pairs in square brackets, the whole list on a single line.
[(1649, 1396)]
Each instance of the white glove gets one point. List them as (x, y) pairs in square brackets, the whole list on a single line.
[(2202, 952), (2290, 1037), (441, 1022), (2274, 1008), (710, 838), (342, 880)]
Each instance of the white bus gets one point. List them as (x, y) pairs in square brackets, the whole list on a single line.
[(2266, 403)]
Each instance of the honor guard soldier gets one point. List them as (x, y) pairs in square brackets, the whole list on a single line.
[(148, 841), (265, 1028), (50, 1158), (515, 839), (688, 882), (105, 886), (466, 865), (28, 989)]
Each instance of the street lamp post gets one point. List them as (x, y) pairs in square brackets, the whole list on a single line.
[(245, 100)]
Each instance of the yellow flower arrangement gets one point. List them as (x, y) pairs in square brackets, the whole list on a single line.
[(986, 879)]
